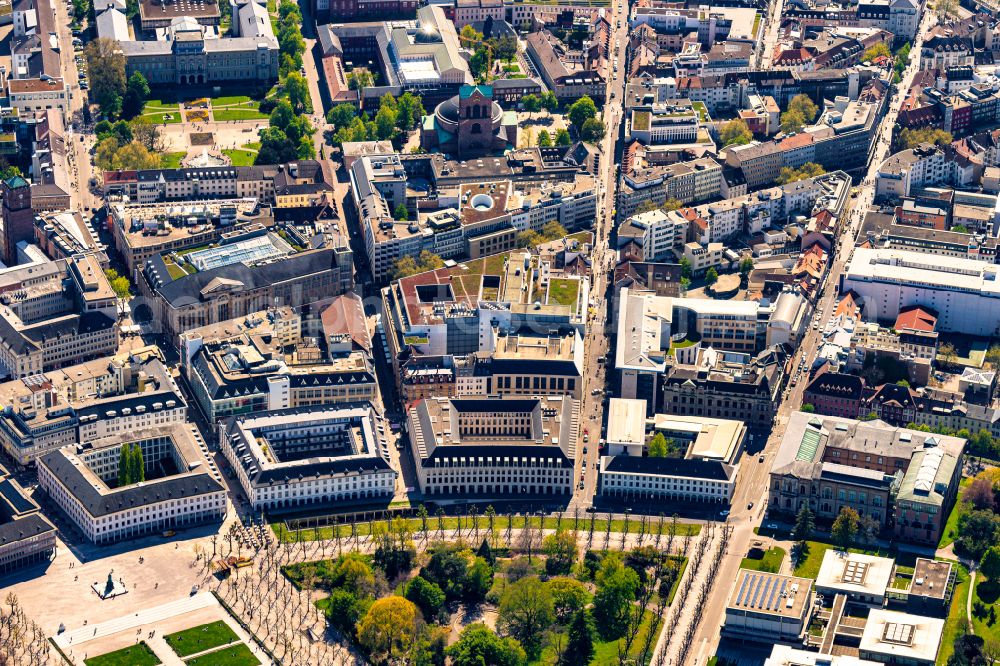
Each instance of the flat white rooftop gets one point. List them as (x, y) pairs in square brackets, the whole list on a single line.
[(901, 637), (916, 268), (855, 573), (786, 655), (627, 421)]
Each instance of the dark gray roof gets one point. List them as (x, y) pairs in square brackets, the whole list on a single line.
[(132, 401), (84, 324), (321, 468), (504, 366), (528, 449), (24, 528), (475, 405), (192, 484), (187, 288), (711, 470)]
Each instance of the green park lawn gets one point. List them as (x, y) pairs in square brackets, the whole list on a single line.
[(987, 594), (134, 655), (240, 157), (225, 115), (157, 111), (236, 655), (231, 100), (771, 561), (171, 160), (201, 638), (950, 530)]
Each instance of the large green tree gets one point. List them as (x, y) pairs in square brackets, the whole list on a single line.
[(616, 589), (989, 565), (735, 133), (568, 596), (805, 523), (428, 597), (136, 94), (106, 71), (526, 612), (579, 640), (845, 527), (581, 111), (388, 629), (561, 550), (977, 532), (658, 447)]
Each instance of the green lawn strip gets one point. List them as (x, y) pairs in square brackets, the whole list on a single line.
[(957, 622), (253, 145), (240, 157), (677, 581), (499, 525), (171, 160), (134, 655), (231, 100), (162, 118), (773, 557), (236, 655), (201, 638), (160, 104), (950, 530), (224, 115)]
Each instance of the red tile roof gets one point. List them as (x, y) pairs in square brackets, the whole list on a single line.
[(916, 318)]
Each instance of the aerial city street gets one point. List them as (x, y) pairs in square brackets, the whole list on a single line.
[(499, 333)]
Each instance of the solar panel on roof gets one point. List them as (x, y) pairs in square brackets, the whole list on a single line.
[(756, 593), (770, 598), (743, 587)]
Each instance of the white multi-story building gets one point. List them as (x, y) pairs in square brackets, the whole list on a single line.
[(89, 402), (661, 234), (661, 124), (182, 487), (924, 166), (964, 292), (500, 447), (706, 472), (309, 457)]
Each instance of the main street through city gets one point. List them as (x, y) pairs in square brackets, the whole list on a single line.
[(599, 328), (751, 485)]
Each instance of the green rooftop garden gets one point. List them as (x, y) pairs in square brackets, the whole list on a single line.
[(563, 292)]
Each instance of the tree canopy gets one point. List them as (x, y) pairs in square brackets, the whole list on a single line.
[(735, 133), (478, 646), (388, 629), (526, 611)]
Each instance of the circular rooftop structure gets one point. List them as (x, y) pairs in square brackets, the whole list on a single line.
[(482, 202), (449, 115)]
